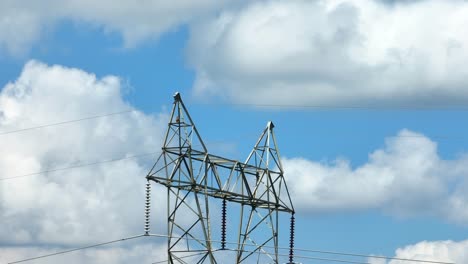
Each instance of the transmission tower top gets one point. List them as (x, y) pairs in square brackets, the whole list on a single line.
[(192, 176)]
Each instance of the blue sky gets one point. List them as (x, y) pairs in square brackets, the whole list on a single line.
[(369, 117)]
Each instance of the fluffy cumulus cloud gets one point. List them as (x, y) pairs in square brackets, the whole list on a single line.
[(443, 251), (22, 23), (335, 52), (84, 205), (406, 177)]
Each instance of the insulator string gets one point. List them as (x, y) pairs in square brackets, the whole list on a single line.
[(291, 240), (223, 226), (147, 208)]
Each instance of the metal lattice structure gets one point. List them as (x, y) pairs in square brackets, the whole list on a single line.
[(193, 177)]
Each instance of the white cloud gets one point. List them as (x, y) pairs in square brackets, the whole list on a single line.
[(22, 23), (406, 177), (79, 206), (335, 52), (444, 251), (18, 28)]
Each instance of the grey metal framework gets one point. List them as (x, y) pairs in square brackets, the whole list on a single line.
[(256, 188)]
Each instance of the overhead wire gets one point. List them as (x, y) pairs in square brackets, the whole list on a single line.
[(199, 253), (182, 257), (282, 255), (65, 122), (317, 251), (129, 111), (137, 156), (80, 165), (369, 256), (304, 257), (76, 249), (414, 136), (344, 107)]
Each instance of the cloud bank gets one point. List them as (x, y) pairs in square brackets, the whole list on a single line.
[(23, 23), (322, 52), (335, 53), (407, 177)]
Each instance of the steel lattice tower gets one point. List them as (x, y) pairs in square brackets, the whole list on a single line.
[(194, 177)]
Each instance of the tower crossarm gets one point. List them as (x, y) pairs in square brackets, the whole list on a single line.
[(225, 179)]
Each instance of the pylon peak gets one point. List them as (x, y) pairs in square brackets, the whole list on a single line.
[(270, 125), (177, 96)]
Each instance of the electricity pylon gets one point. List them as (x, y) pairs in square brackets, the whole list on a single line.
[(194, 177)]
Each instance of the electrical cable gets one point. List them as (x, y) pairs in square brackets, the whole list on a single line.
[(144, 154), (129, 111), (76, 249), (304, 257), (369, 256), (188, 256), (342, 107), (64, 122), (80, 165), (198, 253), (214, 141), (319, 251)]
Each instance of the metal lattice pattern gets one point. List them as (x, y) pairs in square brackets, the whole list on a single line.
[(194, 177)]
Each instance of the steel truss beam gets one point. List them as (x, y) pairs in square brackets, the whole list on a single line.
[(193, 176)]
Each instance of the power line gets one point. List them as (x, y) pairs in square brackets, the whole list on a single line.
[(305, 257), (199, 253), (343, 107), (64, 122), (76, 249), (132, 157), (188, 256), (80, 166), (129, 111), (428, 137), (369, 256), (321, 251), (281, 255), (340, 135)]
